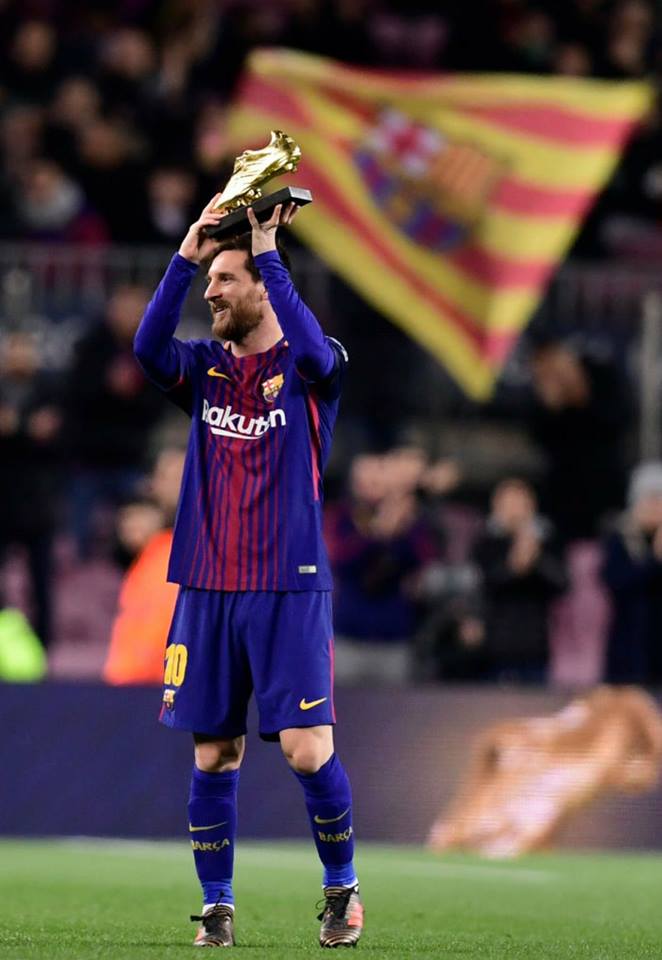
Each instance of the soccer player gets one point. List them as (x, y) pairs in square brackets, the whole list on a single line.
[(254, 606)]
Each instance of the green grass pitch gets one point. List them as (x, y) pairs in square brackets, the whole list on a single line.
[(83, 899)]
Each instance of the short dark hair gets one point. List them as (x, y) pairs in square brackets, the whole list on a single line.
[(243, 242)]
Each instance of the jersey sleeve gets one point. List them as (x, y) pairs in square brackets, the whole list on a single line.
[(329, 388), (166, 360), (315, 358)]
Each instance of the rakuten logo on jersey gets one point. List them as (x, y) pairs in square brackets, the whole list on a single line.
[(224, 423)]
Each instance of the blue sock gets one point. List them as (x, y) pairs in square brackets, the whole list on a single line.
[(329, 804), (212, 811)]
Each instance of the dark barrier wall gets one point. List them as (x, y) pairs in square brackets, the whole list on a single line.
[(92, 760)]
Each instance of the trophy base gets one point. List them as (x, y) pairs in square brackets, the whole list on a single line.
[(237, 222)]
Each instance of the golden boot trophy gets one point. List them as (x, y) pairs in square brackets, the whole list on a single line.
[(253, 169)]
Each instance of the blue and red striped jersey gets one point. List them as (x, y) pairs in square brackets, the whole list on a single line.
[(250, 507)]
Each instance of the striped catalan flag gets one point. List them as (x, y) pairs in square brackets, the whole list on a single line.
[(445, 201)]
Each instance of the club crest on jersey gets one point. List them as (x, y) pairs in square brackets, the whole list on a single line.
[(272, 387)]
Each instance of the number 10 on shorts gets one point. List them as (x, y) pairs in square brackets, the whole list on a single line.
[(176, 656)]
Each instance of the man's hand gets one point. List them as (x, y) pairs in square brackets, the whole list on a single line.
[(196, 245), (264, 234), (524, 552), (394, 515)]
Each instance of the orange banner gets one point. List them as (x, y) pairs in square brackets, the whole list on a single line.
[(445, 201)]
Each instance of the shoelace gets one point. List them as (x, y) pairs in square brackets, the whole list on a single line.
[(336, 903), (217, 913)]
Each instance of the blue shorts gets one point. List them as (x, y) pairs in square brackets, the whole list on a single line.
[(223, 645)]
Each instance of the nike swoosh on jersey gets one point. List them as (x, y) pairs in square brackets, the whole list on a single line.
[(210, 826), (213, 372), (304, 705), (331, 819)]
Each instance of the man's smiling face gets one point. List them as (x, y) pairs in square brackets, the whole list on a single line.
[(235, 298)]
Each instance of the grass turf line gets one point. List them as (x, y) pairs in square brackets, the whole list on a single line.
[(87, 899)]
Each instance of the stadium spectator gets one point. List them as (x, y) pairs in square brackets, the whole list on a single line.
[(449, 643), (378, 543), (147, 600), (111, 410), (31, 69), (30, 458), (630, 33), (632, 572), (50, 206), (76, 103), (127, 69), (21, 132), (170, 198), (522, 572), (136, 522), (111, 170), (580, 421)]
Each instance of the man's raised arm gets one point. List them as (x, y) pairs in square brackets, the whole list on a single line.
[(314, 357), (155, 346)]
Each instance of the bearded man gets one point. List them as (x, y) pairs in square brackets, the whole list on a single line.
[(254, 606)]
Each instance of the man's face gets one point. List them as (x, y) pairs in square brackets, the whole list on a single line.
[(647, 512), (405, 467), (559, 378), (235, 299), (513, 505), (125, 310)]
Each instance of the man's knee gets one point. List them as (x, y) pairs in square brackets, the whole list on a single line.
[(218, 756), (307, 749), (304, 760)]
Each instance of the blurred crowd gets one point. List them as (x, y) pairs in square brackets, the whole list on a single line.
[(437, 576), (113, 131), (113, 116), (71, 441), (428, 589)]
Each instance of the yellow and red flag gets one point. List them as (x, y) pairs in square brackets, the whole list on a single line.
[(445, 201)]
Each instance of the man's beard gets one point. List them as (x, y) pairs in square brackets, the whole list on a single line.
[(237, 321)]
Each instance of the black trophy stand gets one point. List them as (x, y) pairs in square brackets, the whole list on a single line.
[(237, 222)]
